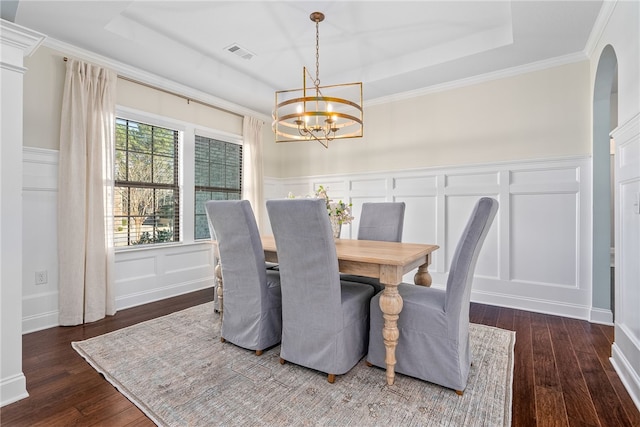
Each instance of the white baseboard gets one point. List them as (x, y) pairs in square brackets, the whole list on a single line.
[(12, 389), (49, 319), (555, 308), (627, 375), (157, 294), (40, 311), (39, 322), (602, 316)]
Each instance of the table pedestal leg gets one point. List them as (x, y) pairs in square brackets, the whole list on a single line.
[(218, 273), (422, 277), (391, 306)]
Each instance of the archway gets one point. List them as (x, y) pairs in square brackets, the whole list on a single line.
[(604, 120)]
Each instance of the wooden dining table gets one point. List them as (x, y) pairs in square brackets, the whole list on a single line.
[(387, 261)]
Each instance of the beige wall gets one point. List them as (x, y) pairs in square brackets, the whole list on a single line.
[(157, 102), (271, 155), (530, 116), (44, 84)]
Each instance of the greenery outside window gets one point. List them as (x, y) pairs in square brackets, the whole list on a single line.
[(218, 176), (147, 192)]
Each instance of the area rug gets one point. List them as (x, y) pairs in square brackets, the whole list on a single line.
[(176, 370)]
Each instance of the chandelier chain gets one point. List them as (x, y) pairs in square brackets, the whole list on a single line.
[(317, 81)]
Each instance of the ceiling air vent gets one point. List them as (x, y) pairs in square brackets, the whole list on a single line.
[(240, 51)]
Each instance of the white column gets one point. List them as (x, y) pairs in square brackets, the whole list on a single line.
[(16, 42)]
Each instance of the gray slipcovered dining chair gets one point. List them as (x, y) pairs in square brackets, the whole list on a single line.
[(434, 324), (382, 221), (252, 316), (324, 320)]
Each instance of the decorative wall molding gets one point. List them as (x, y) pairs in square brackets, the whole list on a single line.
[(625, 356), (598, 28), (142, 275), (16, 42), (21, 38), (147, 275), (537, 254), (40, 169), (546, 199)]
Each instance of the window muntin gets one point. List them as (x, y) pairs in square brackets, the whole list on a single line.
[(218, 176), (147, 193)]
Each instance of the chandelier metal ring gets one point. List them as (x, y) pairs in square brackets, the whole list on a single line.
[(330, 112)]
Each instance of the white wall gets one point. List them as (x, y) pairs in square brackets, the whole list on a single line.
[(16, 42), (141, 275), (626, 348), (537, 254), (622, 32)]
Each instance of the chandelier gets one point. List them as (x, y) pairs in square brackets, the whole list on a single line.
[(318, 113)]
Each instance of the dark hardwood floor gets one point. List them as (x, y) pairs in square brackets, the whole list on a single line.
[(562, 374)]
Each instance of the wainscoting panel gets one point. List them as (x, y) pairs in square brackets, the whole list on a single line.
[(420, 219), (543, 242), (141, 275), (151, 274), (628, 153), (459, 209), (628, 300), (40, 242), (135, 267), (469, 182), (537, 254), (363, 187), (194, 258), (412, 185), (626, 349)]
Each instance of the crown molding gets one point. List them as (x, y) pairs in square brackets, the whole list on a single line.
[(482, 78), (608, 6), (19, 37), (151, 79)]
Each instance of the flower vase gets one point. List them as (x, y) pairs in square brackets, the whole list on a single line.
[(336, 226)]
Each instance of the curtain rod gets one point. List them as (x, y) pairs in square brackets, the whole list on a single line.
[(189, 100)]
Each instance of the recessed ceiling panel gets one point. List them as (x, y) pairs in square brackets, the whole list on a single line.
[(391, 46)]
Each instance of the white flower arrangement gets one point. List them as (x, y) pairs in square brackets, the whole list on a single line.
[(339, 211)]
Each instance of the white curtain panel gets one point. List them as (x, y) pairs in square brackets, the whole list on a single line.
[(85, 194), (252, 170)]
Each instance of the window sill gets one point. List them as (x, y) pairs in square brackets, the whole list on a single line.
[(160, 246)]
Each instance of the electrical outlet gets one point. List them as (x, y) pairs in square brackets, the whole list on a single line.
[(41, 277)]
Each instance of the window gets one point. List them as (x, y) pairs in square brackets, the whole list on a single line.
[(218, 176), (147, 195)]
